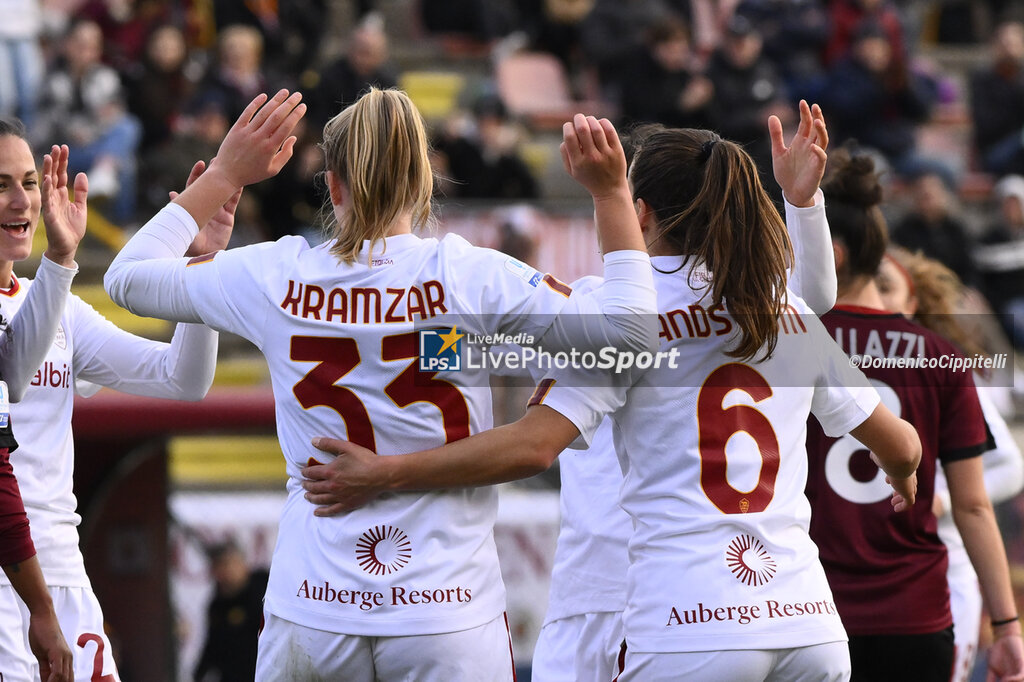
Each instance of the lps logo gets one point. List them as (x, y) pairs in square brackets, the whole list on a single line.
[(440, 350)]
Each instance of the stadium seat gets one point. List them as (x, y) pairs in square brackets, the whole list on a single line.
[(535, 86), (435, 93)]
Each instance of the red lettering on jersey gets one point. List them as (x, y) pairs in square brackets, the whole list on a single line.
[(292, 298), (790, 321), (716, 425), (50, 375), (369, 297), (339, 310), (390, 316), (701, 325), (726, 323), (416, 304), (312, 302), (435, 297)]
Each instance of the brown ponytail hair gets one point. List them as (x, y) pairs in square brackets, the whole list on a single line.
[(378, 147), (710, 206), (852, 196)]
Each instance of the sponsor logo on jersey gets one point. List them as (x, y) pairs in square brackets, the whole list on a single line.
[(3, 325), (749, 561), (440, 350), (52, 375), (383, 550)]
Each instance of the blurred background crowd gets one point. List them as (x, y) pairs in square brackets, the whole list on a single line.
[(140, 89)]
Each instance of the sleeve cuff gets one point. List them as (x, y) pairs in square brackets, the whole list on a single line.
[(819, 202), (57, 269), (626, 256)]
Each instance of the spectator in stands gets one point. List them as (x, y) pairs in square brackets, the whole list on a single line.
[(934, 227), (125, 24), (237, 73), (480, 155), (747, 91), (554, 26), (795, 33), (664, 83), (160, 85), (614, 30), (234, 617), (1000, 258), (479, 20), (83, 105), (997, 103), (873, 98), (365, 63), (21, 59), (848, 16)]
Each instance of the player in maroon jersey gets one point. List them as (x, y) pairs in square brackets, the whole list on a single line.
[(888, 570)]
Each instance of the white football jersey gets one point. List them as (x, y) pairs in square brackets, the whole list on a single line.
[(343, 352), (87, 346), (715, 467)]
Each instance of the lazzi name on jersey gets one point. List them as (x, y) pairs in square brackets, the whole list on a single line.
[(365, 305), (367, 600), (50, 375), (895, 344)]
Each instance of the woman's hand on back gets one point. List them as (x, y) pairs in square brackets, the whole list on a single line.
[(63, 217)]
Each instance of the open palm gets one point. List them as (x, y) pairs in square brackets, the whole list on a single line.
[(63, 217), (799, 167)]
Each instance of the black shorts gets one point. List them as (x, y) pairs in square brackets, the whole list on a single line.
[(898, 658)]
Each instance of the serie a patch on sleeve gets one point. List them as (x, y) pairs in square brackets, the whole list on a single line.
[(523, 271)]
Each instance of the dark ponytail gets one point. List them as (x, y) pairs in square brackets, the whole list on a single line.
[(707, 197), (852, 197)]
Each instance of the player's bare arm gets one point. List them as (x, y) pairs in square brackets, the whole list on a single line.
[(44, 634), (508, 453), (896, 447)]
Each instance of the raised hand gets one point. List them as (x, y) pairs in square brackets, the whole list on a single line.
[(260, 142), (799, 167), (593, 155), (215, 234), (63, 218), (347, 482), (256, 147)]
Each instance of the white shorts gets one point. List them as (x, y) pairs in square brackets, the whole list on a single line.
[(296, 653), (583, 647), (81, 621), (821, 663), (965, 603)]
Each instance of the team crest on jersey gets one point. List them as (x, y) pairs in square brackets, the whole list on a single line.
[(383, 550), (440, 350), (749, 561), (61, 339)]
